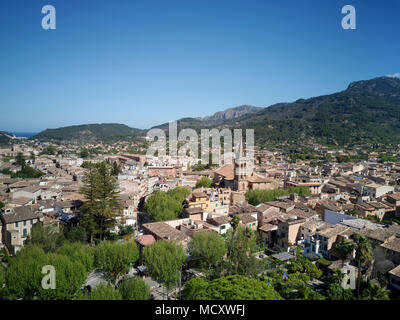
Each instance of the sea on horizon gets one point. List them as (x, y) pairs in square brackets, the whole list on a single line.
[(24, 134)]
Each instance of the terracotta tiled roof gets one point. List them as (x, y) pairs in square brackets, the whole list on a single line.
[(395, 271), (268, 227), (146, 239), (392, 244), (227, 171)]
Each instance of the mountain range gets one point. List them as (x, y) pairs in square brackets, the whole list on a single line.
[(365, 112)]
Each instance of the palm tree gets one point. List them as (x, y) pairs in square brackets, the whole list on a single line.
[(363, 255), (234, 224), (375, 292), (344, 248)]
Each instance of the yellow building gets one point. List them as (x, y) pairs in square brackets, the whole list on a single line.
[(199, 200)]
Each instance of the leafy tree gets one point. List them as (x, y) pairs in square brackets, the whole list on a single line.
[(255, 197), (47, 237), (86, 165), (363, 255), (134, 289), (70, 277), (164, 260), (23, 275), (84, 154), (241, 247), (208, 247), (79, 253), (20, 160), (124, 230), (387, 158), (354, 212), (116, 258), (33, 157), (179, 194), (27, 172), (229, 288), (335, 291), (204, 182), (77, 234), (336, 277), (50, 150), (195, 289), (304, 265), (163, 206), (1, 205), (101, 292), (293, 286)]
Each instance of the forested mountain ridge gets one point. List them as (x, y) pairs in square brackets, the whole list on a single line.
[(366, 112)]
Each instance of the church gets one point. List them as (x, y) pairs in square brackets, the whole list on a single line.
[(240, 175)]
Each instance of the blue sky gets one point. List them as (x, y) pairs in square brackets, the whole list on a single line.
[(146, 62)]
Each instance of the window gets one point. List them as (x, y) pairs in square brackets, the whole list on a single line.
[(16, 224), (24, 223), (24, 233), (223, 227)]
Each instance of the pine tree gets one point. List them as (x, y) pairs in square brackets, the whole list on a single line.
[(102, 205)]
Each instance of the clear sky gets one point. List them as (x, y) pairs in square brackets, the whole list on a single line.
[(146, 62)]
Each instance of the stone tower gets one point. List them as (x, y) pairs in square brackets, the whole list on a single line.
[(242, 169)]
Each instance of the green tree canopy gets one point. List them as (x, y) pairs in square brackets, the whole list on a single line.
[(304, 265), (336, 292), (204, 182), (23, 275), (50, 150), (134, 289), (20, 160), (208, 248), (179, 193), (255, 197), (229, 288), (48, 237), (77, 234), (84, 153), (163, 206), (241, 247), (70, 277), (78, 252), (115, 258), (164, 260)]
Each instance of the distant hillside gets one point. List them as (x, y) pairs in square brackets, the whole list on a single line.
[(217, 118), (366, 112), (232, 113), (6, 139), (87, 132)]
